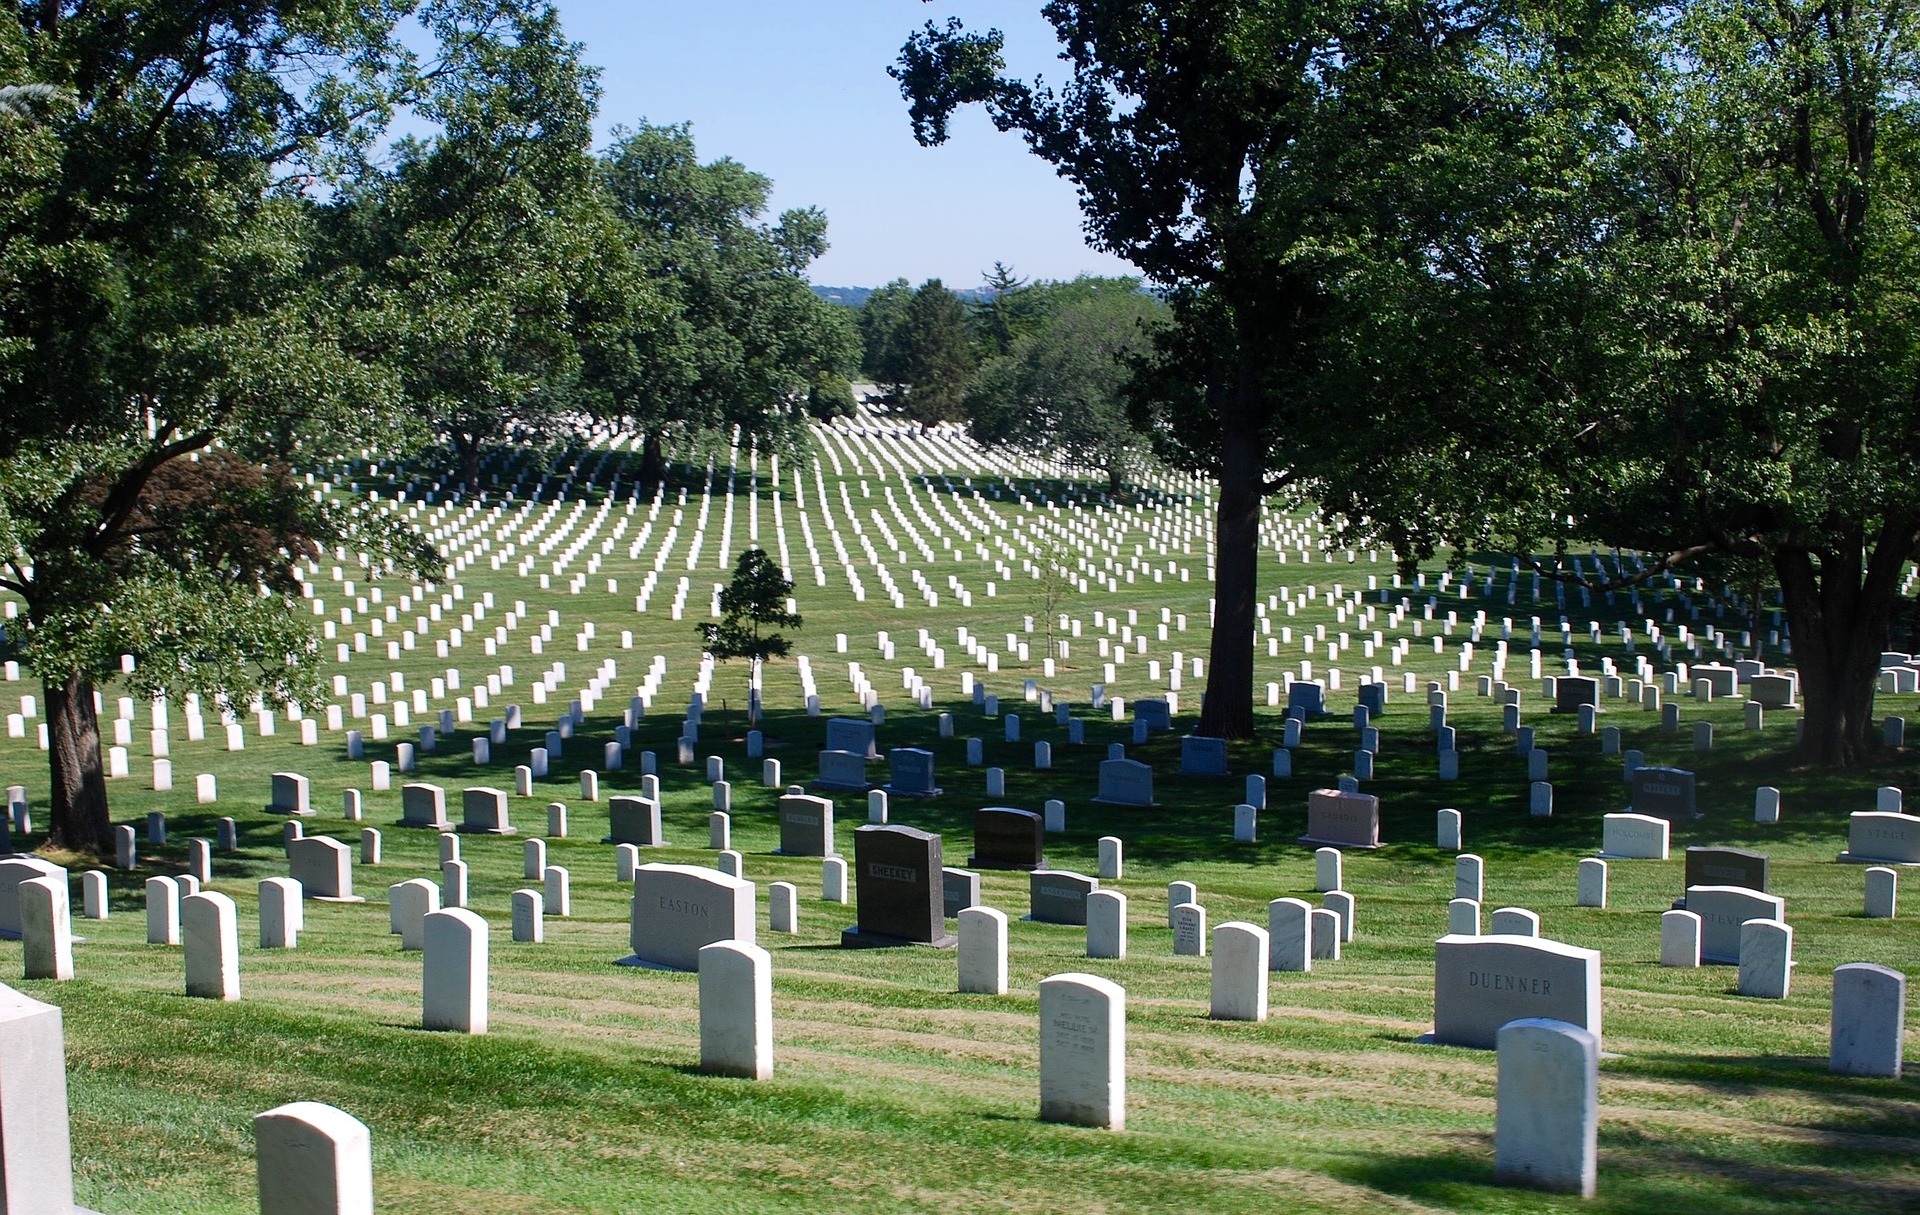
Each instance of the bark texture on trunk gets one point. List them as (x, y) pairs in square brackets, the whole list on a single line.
[(1841, 621), (653, 462), (77, 814), (1228, 712)]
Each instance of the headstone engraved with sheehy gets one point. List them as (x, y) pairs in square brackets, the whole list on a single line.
[(900, 888)]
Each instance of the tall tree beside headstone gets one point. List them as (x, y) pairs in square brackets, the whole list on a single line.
[(753, 604), (175, 319), (1232, 154)]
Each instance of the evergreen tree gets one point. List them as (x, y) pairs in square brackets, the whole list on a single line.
[(752, 605)]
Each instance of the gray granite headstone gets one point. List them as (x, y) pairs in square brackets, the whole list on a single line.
[(423, 805), (910, 772), (634, 820), (1342, 819), (1203, 756), (679, 908), (842, 770), (961, 890), (1059, 896), (851, 734), (1125, 782), (1881, 837), (1306, 699), (1482, 983), (806, 826), (1722, 910)]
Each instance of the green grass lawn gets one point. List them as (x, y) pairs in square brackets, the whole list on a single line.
[(894, 1093)]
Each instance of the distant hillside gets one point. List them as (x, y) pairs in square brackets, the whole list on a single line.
[(856, 297)]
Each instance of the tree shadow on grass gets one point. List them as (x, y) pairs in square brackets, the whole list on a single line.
[(1639, 1172)]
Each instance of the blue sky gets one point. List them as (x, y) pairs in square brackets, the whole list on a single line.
[(799, 91)]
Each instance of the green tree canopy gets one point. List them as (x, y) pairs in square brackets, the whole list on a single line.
[(176, 322), (743, 341), (925, 361), (1695, 331), (1234, 154), (1061, 389)]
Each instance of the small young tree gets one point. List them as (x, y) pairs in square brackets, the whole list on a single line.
[(754, 601)]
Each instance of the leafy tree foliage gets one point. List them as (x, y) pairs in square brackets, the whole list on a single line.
[(1061, 388), (754, 602), (742, 341), (1231, 152), (174, 323), (1694, 333), (924, 361)]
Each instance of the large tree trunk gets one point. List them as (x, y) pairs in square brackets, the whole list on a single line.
[(653, 462), (468, 448), (1228, 712), (77, 817), (1840, 621)]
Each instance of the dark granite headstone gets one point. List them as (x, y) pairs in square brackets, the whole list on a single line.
[(1004, 838), (1663, 793), (1059, 896), (900, 888), (851, 734), (806, 825), (1203, 756), (1571, 693), (1727, 867)]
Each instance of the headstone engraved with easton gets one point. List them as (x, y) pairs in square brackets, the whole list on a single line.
[(900, 889), (1005, 838), (677, 909)]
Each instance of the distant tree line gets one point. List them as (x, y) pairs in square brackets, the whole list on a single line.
[(1041, 368)]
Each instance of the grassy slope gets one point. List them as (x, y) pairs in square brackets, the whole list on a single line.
[(892, 1092)]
